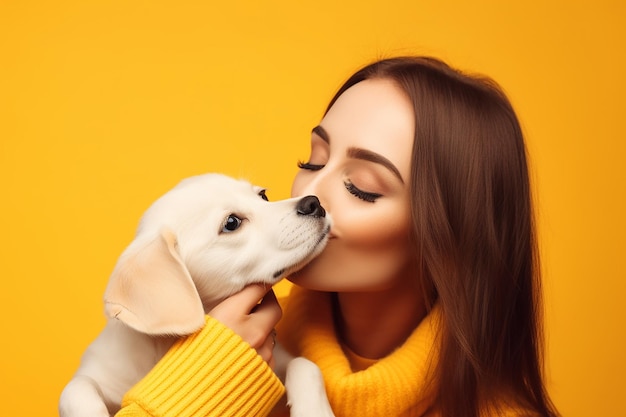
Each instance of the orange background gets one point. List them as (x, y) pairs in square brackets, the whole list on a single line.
[(104, 105)]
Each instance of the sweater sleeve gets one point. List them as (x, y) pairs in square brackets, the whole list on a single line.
[(210, 373)]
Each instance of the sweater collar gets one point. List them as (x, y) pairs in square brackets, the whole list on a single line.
[(395, 385)]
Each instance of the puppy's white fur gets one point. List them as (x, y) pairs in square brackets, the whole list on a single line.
[(202, 241)]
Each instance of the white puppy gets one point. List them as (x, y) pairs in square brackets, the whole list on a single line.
[(202, 241)]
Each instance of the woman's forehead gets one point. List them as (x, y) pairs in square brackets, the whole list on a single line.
[(375, 115)]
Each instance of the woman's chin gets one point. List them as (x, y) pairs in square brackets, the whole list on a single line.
[(297, 278), (305, 278)]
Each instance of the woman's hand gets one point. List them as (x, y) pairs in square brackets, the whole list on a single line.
[(254, 321)]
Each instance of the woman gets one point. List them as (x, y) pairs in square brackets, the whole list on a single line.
[(426, 300)]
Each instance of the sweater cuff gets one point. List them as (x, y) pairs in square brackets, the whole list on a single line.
[(210, 373)]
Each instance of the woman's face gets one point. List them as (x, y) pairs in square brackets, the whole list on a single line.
[(359, 168)]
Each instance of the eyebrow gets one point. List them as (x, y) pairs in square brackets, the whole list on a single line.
[(363, 154)]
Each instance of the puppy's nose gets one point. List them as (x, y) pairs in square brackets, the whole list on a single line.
[(310, 206)]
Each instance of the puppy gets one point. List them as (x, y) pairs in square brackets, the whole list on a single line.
[(202, 241)]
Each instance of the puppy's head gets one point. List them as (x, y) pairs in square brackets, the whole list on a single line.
[(204, 240)]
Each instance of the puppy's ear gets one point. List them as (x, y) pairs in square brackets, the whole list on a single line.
[(151, 290)]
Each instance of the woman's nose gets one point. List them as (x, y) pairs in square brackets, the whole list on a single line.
[(311, 185)]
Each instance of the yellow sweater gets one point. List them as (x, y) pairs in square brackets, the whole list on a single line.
[(212, 373), (393, 386), (215, 373)]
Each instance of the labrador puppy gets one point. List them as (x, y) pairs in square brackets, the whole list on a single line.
[(202, 241)]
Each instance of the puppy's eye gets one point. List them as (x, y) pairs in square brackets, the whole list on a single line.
[(263, 195), (231, 224)]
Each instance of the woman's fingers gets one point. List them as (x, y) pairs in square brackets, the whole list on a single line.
[(247, 298), (269, 309), (252, 314), (263, 318), (266, 351)]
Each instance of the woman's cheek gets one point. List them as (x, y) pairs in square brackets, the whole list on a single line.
[(380, 230)]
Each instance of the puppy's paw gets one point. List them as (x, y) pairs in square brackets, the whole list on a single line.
[(306, 395), (82, 397)]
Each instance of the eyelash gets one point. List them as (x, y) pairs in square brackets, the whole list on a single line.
[(308, 166), (363, 195), (352, 189)]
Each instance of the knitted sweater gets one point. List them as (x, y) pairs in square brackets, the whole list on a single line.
[(215, 373), (400, 384), (396, 385), (212, 373)]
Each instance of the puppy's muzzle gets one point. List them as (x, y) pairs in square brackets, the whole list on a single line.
[(310, 206)]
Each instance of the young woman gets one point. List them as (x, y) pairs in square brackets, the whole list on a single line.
[(426, 301)]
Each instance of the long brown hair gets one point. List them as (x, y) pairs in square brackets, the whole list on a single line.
[(474, 236)]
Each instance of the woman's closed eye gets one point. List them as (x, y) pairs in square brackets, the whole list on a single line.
[(352, 189), (309, 166), (363, 195)]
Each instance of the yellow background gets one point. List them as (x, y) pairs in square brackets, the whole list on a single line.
[(104, 105)]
